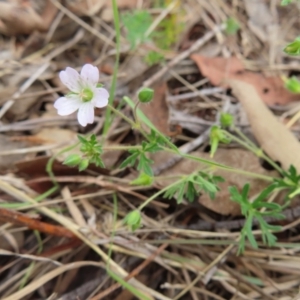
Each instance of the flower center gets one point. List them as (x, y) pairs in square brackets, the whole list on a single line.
[(86, 95)]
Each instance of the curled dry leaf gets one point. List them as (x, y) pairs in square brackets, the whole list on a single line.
[(218, 69), (235, 158), (274, 138), (23, 17)]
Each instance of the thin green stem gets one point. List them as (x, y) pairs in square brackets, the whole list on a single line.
[(132, 123), (117, 112), (229, 169), (167, 177), (244, 137), (147, 122), (135, 112), (157, 194), (251, 148), (213, 164), (116, 67), (23, 205), (144, 204), (49, 166), (257, 151), (115, 148)]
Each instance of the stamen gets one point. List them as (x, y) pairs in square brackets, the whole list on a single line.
[(86, 95)]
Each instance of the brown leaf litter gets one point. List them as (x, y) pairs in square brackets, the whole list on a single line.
[(65, 33), (273, 137), (157, 111), (236, 158), (22, 17), (219, 69)]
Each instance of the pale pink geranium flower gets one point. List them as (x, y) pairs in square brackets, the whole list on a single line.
[(85, 95)]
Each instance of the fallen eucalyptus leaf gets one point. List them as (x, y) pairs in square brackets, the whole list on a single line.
[(273, 137)]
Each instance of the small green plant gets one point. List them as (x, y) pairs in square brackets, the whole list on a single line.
[(292, 84), (217, 136), (231, 26), (190, 186), (85, 98), (139, 155), (142, 180), (293, 48), (258, 209), (170, 27), (290, 182), (185, 187), (226, 120), (137, 23), (286, 2), (91, 150), (133, 220), (153, 57)]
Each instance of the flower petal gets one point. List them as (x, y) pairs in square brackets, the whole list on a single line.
[(90, 74), (86, 114), (67, 105), (100, 97), (71, 79)]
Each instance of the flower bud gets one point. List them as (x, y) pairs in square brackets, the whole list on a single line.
[(226, 120), (145, 95), (143, 180), (216, 136), (83, 164), (133, 219), (293, 48), (72, 160)]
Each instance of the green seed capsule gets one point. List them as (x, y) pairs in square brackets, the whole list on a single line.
[(145, 95)]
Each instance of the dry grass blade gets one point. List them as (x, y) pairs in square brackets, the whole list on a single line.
[(75, 229), (47, 277), (73, 208), (82, 23), (182, 56), (28, 256)]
